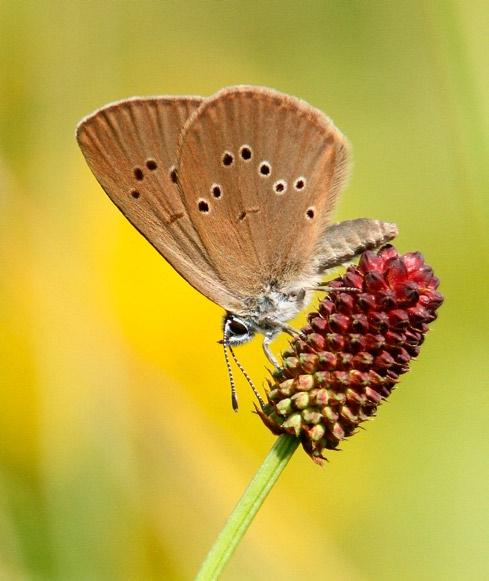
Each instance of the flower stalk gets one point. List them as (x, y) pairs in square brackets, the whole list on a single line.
[(247, 507)]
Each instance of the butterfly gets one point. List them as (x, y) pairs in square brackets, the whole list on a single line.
[(236, 191)]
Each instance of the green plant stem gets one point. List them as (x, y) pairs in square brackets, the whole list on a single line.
[(249, 504)]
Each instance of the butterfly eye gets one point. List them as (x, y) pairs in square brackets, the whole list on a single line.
[(237, 327)]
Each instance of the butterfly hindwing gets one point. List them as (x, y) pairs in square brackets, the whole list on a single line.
[(259, 172)]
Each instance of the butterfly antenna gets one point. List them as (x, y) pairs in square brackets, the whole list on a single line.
[(226, 346), (248, 379)]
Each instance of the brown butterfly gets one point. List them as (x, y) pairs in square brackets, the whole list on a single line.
[(236, 192)]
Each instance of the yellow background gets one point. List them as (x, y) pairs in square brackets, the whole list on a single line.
[(120, 455)]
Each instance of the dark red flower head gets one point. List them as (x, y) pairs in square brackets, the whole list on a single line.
[(353, 350)]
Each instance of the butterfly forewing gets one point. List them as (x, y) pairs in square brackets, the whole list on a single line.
[(259, 172), (131, 148)]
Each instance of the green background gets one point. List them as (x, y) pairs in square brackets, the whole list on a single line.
[(120, 456)]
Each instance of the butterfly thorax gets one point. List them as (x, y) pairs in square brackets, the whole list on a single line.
[(267, 313)]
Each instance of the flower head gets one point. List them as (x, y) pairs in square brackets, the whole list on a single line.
[(351, 354)]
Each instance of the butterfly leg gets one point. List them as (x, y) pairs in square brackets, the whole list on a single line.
[(268, 352), (274, 323), (327, 289), (290, 330)]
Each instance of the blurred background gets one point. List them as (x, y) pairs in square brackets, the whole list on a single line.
[(120, 456)]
